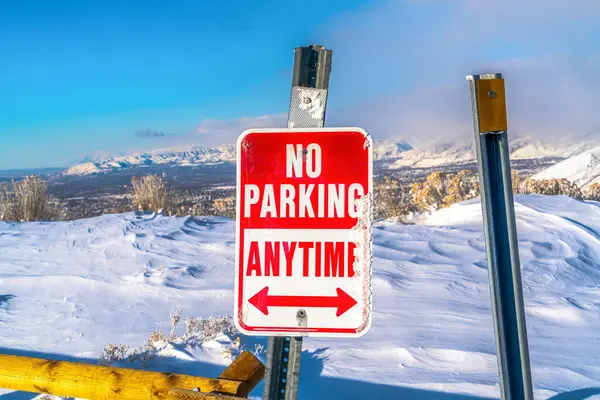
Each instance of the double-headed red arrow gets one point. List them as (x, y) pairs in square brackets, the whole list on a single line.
[(262, 301)]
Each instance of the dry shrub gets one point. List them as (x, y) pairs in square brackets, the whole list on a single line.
[(593, 192), (553, 187), (518, 183), (392, 200), (112, 353), (29, 201), (197, 331), (175, 317), (224, 207), (157, 336), (206, 329), (150, 193), (463, 186), (195, 210), (429, 196), (441, 190)]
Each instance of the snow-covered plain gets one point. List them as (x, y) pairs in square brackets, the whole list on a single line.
[(68, 288)]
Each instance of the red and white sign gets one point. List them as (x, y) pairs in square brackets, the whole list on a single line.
[(303, 234)]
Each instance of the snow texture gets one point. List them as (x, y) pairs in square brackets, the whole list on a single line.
[(582, 169), (69, 288), (363, 234), (312, 102)]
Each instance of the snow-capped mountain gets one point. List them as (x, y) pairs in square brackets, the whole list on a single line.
[(186, 158), (416, 153), (582, 169), (439, 152), (527, 147), (432, 153), (387, 149)]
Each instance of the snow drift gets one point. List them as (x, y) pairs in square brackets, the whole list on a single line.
[(68, 288)]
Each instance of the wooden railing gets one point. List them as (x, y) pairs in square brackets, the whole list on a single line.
[(98, 382)]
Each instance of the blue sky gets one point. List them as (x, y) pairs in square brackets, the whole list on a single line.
[(82, 78)]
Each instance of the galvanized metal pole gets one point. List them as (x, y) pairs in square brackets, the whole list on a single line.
[(310, 83), (491, 143)]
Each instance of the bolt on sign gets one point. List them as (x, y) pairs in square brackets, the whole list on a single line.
[(303, 234)]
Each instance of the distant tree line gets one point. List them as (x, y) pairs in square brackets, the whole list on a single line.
[(397, 201), (29, 200)]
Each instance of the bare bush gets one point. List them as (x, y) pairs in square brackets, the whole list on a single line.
[(28, 200), (175, 317), (518, 183), (197, 332), (206, 329), (392, 200), (429, 196), (150, 193), (593, 192), (463, 186), (112, 353), (225, 207), (441, 190), (553, 187)]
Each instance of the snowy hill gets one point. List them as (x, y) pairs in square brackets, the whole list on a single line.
[(69, 288), (583, 169), (434, 153), (385, 150), (525, 146), (418, 153)]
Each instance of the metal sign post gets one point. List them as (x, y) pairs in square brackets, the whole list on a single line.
[(491, 142), (312, 67), (310, 83), (303, 228)]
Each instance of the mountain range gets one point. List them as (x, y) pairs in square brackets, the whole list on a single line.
[(393, 154), (194, 156)]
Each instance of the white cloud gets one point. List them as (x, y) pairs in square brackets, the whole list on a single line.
[(222, 131), (418, 53), (546, 97)]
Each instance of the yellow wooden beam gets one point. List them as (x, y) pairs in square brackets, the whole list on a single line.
[(247, 368), (180, 394), (97, 382)]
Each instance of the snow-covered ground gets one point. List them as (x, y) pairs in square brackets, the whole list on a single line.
[(69, 288), (582, 169)]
